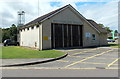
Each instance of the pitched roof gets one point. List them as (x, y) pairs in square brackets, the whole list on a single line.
[(39, 19), (103, 30), (46, 16)]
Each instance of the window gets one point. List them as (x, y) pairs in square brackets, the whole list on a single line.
[(32, 27), (37, 26), (93, 37), (28, 28)]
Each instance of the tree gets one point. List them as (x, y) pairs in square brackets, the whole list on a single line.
[(107, 28), (9, 33), (0, 35), (101, 25), (116, 31), (5, 34), (13, 32)]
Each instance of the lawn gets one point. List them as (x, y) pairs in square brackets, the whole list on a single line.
[(113, 44), (16, 52)]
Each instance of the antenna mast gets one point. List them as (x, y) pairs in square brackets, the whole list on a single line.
[(21, 22), (21, 18)]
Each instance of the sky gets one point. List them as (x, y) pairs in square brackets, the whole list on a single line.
[(101, 11)]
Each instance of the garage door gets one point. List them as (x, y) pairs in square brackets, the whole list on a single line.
[(66, 35)]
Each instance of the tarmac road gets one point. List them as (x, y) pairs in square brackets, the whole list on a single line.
[(87, 58), (87, 62), (59, 73)]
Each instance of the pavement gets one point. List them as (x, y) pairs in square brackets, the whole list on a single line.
[(59, 73), (84, 58), (21, 61)]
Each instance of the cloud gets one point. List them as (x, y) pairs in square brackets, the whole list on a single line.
[(8, 10), (105, 13), (102, 11)]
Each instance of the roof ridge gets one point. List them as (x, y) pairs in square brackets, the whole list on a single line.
[(45, 15)]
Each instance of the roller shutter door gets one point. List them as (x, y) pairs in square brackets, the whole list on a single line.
[(66, 35)]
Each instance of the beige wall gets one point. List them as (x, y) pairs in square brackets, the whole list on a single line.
[(69, 17), (88, 41), (64, 17), (31, 37), (103, 39)]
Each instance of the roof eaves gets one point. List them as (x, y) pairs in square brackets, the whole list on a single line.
[(28, 25)]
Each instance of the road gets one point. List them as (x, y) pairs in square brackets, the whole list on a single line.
[(87, 62), (59, 73), (88, 58)]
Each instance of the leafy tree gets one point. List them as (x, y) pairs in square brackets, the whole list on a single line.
[(107, 28), (13, 32), (9, 33), (116, 31), (5, 34), (0, 35), (101, 25)]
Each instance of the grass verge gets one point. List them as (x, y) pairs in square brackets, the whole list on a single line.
[(113, 44), (16, 52)]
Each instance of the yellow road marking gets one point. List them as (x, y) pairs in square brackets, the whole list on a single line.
[(74, 50), (94, 57), (110, 55), (49, 68), (97, 63), (62, 61), (73, 56), (113, 62), (78, 68), (113, 68), (116, 64), (94, 63), (103, 58), (84, 51), (85, 62), (87, 58), (114, 52)]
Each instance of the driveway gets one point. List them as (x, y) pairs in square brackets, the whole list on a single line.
[(86, 58)]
